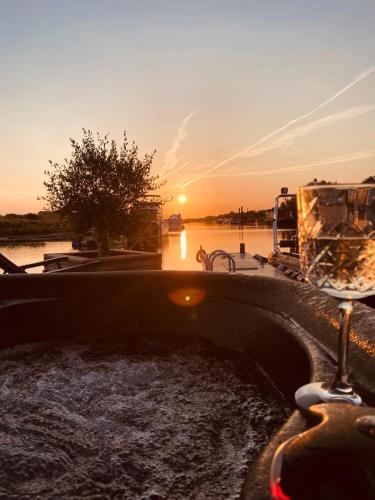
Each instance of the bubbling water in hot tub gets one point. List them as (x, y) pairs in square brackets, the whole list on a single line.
[(145, 418)]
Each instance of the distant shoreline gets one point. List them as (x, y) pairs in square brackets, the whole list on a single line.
[(6, 240), (216, 223), (43, 226)]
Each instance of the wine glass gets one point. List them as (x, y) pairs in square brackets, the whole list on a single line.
[(336, 232)]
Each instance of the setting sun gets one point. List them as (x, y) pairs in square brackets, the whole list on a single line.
[(182, 198)]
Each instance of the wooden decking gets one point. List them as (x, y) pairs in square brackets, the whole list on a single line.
[(10, 267), (119, 260)]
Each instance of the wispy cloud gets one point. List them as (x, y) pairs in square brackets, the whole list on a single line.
[(288, 138), (360, 155), (173, 171), (171, 158), (282, 128), (7, 190), (202, 165)]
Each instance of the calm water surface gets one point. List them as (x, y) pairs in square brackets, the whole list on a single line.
[(179, 249)]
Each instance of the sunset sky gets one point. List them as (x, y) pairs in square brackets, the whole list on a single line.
[(238, 97)]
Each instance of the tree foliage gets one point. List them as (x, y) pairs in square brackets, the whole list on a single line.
[(43, 223), (369, 180), (322, 182), (100, 185)]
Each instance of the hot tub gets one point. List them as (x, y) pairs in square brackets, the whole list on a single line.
[(195, 376)]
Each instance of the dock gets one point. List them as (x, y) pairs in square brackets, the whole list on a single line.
[(241, 262), (248, 265)]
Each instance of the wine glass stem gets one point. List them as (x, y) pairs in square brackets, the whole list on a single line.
[(342, 376)]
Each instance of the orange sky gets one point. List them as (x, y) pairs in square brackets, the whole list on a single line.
[(237, 101)]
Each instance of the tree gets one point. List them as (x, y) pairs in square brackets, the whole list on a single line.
[(369, 180), (100, 185), (323, 182)]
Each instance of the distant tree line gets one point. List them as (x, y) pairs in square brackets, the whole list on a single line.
[(247, 217), (30, 224), (369, 180), (141, 231), (322, 182)]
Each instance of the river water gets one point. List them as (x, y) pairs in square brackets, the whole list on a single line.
[(179, 249)]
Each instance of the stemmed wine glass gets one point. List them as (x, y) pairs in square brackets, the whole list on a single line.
[(336, 232)]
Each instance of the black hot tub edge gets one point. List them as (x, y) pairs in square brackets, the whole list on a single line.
[(299, 324)]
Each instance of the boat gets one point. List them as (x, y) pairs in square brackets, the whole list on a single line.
[(145, 232), (241, 262), (164, 227), (175, 223), (10, 267), (287, 328), (284, 255), (118, 260), (154, 206)]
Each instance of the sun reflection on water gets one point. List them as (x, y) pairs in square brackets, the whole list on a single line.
[(183, 245)]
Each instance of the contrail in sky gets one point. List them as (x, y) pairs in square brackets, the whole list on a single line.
[(290, 136), (296, 132), (361, 155), (171, 159), (197, 167), (283, 127), (171, 172)]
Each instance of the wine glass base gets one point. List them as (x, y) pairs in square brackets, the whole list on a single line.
[(318, 392)]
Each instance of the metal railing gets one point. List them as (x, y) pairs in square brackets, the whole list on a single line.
[(207, 259), (284, 194)]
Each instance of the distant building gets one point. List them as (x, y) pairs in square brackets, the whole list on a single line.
[(175, 223), (269, 215)]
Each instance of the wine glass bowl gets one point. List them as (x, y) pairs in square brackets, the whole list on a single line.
[(336, 228)]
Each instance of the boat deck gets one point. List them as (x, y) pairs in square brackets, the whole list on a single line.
[(246, 264)]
